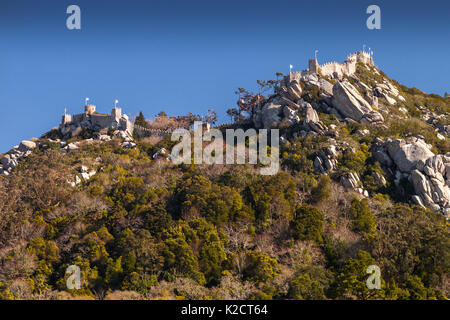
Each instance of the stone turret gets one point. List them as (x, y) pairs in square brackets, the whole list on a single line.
[(66, 119), (313, 65), (89, 109), (116, 113)]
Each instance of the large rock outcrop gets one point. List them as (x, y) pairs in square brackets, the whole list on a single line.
[(349, 102), (280, 108), (12, 158), (407, 155), (411, 159)]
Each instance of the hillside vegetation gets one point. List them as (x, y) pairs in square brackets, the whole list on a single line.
[(144, 228)]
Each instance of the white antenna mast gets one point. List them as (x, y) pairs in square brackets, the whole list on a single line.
[(115, 103), (86, 101)]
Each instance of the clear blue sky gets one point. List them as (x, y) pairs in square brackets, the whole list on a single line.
[(180, 55)]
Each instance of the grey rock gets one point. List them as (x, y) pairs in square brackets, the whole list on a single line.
[(326, 86), (104, 137), (420, 183), (417, 200), (392, 146), (408, 155), (26, 145), (271, 115), (348, 101), (72, 146), (379, 178), (350, 181), (75, 132), (160, 153), (290, 114), (289, 102), (383, 158), (372, 117), (294, 90), (311, 115), (446, 213), (5, 160), (318, 164)]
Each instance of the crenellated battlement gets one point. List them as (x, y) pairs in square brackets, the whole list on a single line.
[(97, 121), (348, 67)]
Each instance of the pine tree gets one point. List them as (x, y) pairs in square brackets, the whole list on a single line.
[(140, 120)]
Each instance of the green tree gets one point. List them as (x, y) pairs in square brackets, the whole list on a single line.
[(140, 120), (322, 191), (351, 280), (260, 267), (362, 218), (179, 258), (310, 283), (308, 223)]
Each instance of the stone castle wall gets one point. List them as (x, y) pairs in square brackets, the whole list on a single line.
[(330, 69), (96, 121), (348, 67)]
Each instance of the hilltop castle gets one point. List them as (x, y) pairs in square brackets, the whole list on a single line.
[(336, 69), (91, 119)]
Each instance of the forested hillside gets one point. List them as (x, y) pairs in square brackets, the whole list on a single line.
[(140, 227)]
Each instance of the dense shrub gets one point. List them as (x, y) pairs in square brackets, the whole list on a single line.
[(260, 267), (308, 224), (321, 191), (362, 218)]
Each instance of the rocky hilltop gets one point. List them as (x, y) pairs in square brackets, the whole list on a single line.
[(364, 180), (367, 96)]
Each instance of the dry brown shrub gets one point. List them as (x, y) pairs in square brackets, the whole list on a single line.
[(233, 288), (152, 140), (180, 288)]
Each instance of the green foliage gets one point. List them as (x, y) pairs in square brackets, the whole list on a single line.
[(354, 160), (308, 224), (311, 94), (371, 183), (271, 197), (127, 191), (334, 250), (196, 195), (140, 120), (418, 245), (351, 280), (310, 284), (322, 190), (260, 267), (200, 232), (298, 162), (179, 258), (362, 218)]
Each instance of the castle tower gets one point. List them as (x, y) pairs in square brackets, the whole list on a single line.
[(313, 65), (89, 109), (116, 113), (66, 118)]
